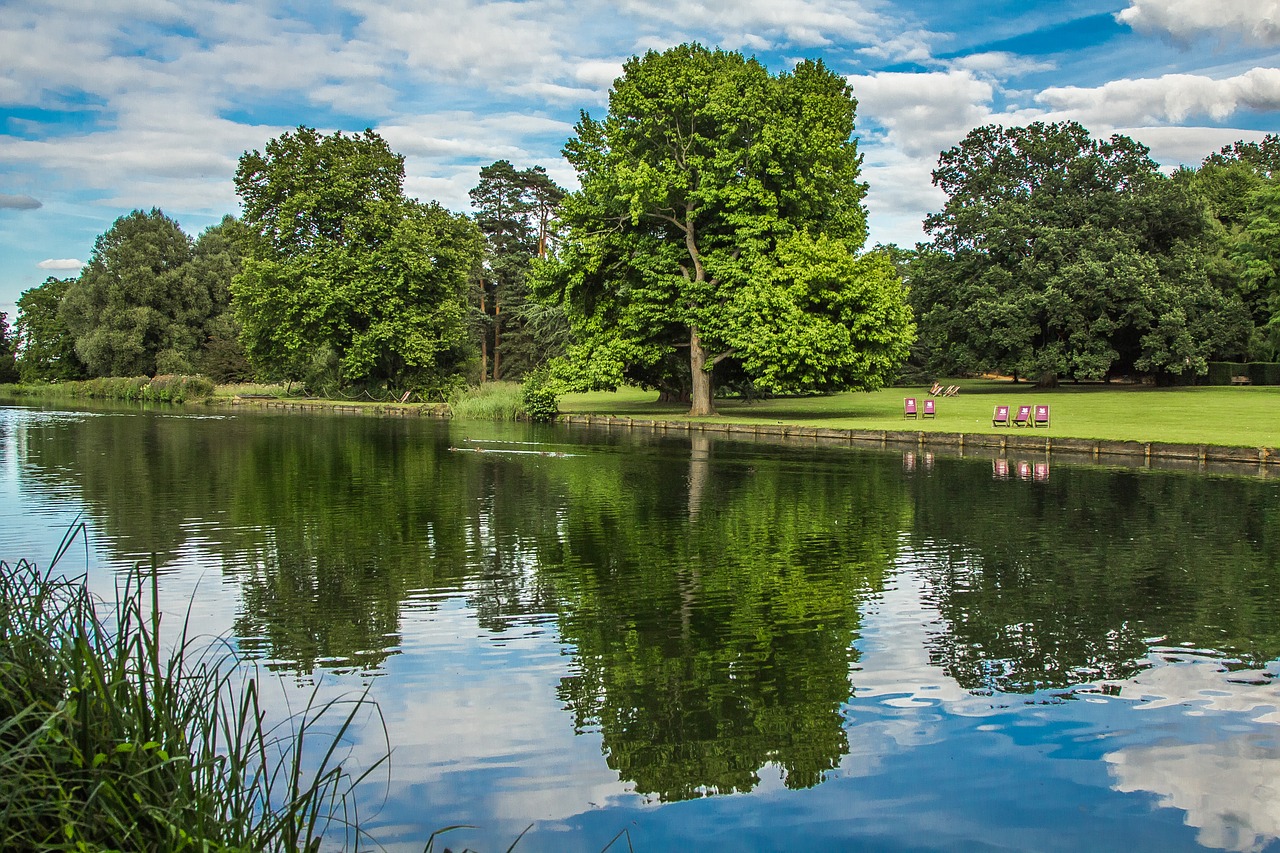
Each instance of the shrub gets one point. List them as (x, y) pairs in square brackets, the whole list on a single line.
[(539, 398)]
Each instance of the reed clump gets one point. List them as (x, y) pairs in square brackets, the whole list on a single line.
[(165, 388), (111, 741), (491, 401)]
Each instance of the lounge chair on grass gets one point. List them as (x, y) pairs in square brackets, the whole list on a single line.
[(909, 408), (951, 391), (1023, 418), (928, 410), (935, 390), (1000, 417), (1041, 418)]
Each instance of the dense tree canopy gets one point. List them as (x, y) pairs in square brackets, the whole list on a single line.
[(515, 210), (1241, 184), (138, 307), (1060, 254), (717, 225), (347, 274), (48, 347)]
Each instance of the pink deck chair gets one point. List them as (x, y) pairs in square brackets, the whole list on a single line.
[(1023, 418), (928, 409), (1000, 417), (1042, 417), (909, 408)]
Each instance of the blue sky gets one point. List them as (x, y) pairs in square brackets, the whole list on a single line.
[(111, 105)]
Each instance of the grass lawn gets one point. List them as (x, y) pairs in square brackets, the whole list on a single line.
[(1230, 416)]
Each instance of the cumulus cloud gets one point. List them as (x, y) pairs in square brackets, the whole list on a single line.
[(19, 202), (1170, 98), (999, 64), (923, 114), (1174, 146), (799, 23), (60, 264), (1184, 21)]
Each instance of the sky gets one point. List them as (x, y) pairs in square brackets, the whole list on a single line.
[(108, 106)]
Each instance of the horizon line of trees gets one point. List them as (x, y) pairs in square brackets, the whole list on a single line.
[(716, 243)]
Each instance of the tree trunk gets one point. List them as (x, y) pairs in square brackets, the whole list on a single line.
[(497, 337), (703, 391), (484, 340)]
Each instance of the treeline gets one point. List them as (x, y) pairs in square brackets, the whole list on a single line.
[(732, 260), (332, 278), (1058, 255)]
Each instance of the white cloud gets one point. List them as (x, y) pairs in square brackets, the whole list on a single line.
[(1170, 98), (1174, 146), (1186, 20), (999, 64), (800, 23), (60, 264), (19, 202), (923, 114)]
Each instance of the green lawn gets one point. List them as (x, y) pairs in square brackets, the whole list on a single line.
[(1248, 416)]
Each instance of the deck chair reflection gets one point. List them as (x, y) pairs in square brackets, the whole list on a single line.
[(1023, 418), (1000, 469)]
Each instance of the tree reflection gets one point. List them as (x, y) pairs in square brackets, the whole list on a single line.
[(714, 637), (1052, 584)]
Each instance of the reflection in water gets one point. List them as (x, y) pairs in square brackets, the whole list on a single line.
[(718, 618)]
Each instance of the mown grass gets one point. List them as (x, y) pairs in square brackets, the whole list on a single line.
[(1228, 416), (111, 740)]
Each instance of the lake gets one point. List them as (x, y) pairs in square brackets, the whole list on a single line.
[(683, 642)]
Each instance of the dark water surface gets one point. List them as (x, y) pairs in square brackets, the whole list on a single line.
[(711, 645)]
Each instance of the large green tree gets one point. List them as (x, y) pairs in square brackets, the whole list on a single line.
[(515, 210), (8, 351), (716, 233), (345, 269), (1241, 184), (136, 308), (48, 349), (1063, 255)]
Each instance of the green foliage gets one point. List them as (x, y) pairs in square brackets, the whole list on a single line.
[(1258, 373), (143, 302), (492, 401), (539, 397), (157, 389), (111, 742), (1239, 187), (48, 347), (343, 263), (515, 211), (8, 351), (1058, 254), (706, 176)]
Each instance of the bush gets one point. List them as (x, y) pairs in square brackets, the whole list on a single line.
[(1259, 372), (539, 398)]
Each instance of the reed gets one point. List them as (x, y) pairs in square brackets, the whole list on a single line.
[(111, 740), (491, 401)]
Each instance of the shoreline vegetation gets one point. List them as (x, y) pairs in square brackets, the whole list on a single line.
[(114, 738), (1224, 423)]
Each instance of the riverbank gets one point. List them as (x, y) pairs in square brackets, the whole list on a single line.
[(1231, 430), (1235, 430)]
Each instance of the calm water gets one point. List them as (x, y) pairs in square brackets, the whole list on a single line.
[(709, 645)]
